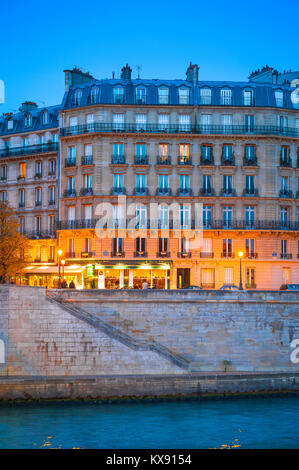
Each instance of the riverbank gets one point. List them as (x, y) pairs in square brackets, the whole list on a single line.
[(139, 387)]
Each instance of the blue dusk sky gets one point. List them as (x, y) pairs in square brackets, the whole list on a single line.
[(227, 39)]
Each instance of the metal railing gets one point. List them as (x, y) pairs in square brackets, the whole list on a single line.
[(118, 159), (69, 193), (184, 254), (177, 129), (163, 192), (250, 192), (140, 254), (163, 160), (87, 160), (286, 255), (69, 162), (141, 160), (182, 160), (29, 149), (86, 192), (286, 193)]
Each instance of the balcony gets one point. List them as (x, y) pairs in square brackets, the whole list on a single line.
[(51, 202), (86, 192), (163, 160), (3, 179), (87, 254), (38, 175), (207, 192), (21, 204), (184, 254), (184, 160), (29, 149), (140, 254), (118, 160), (286, 193), (40, 234), (285, 162), (118, 99), (70, 254), (163, 254), (207, 160), (52, 173), (207, 285), (184, 192), (286, 256), (118, 190), (87, 160), (163, 192), (227, 192), (228, 161), (133, 128), (250, 286), (227, 254), (141, 160), (204, 254), (249, 161), (251, 255), (69, 193), (70, 162), (38, 203), (117, 254), (250, 192), (141, 191)]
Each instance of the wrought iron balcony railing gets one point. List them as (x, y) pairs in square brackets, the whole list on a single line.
[(21, 204), (118, 190), (227, 254), (163, 192), (249, 161), (285, 162), (118, 159), (183, 160), (86, 192), (287, 193), (251, 255), (163, 254), (184, 254), (207, 161), (87, 160), (106, 127), (29, 149), (206, 192), (211, 224), (141, 160), (228, 161), (250, 192), (117, 254), (69, 193), (141, 191), (286, 255), (51, 202), (39, 234), (140, 254), (184, 192), (228, 192), (69, 162), (163, 160)]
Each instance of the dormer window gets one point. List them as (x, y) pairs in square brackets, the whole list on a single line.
[(205, 96), (94, 95), (248, 97), (163, 95), (141, 95), (226, 97), (45, 117), (9, 124), (28, 120), (118, 95), (77, 97), (279, 98), (183, 95)]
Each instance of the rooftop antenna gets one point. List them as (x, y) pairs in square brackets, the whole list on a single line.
[(139, 68)]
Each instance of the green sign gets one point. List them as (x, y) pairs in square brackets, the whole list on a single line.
[(90, 270)]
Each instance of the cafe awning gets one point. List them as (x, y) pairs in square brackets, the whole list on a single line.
[(72, 269)]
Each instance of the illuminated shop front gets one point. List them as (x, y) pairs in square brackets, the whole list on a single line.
[(47, 276)]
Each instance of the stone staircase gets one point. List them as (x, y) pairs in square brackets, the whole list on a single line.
[(111, 323)]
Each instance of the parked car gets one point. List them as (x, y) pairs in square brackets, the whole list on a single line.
[(229, 287), (289, 287), (194, 287)]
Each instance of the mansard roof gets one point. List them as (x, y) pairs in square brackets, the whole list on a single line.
[(36, 121)]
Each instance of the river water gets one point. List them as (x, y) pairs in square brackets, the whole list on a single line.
[(263, 422)]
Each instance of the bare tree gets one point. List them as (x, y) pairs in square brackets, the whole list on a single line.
[(13, 244)]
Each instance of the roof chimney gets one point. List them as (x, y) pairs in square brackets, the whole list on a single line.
[(76, 77), (27, 106), (126, 73), (192, 73)]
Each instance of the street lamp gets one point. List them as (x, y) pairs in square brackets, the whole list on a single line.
[(63, 263), (240, 256), (59, 252)]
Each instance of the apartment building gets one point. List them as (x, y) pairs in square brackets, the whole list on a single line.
[(161, 160)]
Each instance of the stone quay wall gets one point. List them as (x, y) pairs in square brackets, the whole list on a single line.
[(59, 340)]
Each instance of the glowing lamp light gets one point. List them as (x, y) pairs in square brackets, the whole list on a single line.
[(63, 261), (240, 254), (59, 252)]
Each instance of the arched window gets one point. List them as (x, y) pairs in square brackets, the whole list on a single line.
[(205, 96), (248, 97), (2, 352), (94, 95), (28, 120), (140, 95), (45, 117), (163, 95), (77, 98), (226, 96), (183, 95), (118, 95)]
